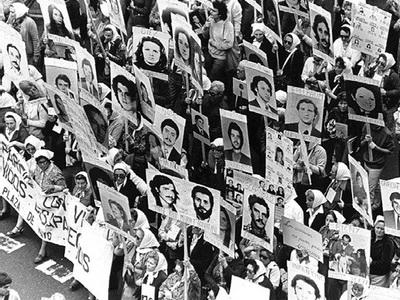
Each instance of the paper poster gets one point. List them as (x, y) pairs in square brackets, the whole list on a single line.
[(255, 54), (117, 15), (236, 141), (302, 237), (321, 33), (256, 4), (56, 17), (183, 200), (225, 240), (349, 252), (304, 283), (261, 90), (390, 194), (64, 47), (356, 289), (196, 62), (304, 114), (381, 293), (8, 244), (240, 88), (200, 127), (56, 270), (241, 289), (115, 207), (272, 20), (94, 259), (258, 218), (364, 98), (169, 8), (360, 189), (150, 49), (98, 171), (147, 102), (87, 72), (63, 75), (183, 38), (371, 28), (148, 292)]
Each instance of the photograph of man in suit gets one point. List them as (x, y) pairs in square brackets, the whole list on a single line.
[(15, 59), (235, 154), (203, 202), (170, 133), (87, 82), (259, 212), (308, 115), (392, 217), (198, 126), (262, 89)]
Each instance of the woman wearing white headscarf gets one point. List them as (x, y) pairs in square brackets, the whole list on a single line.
[(340, 175), (264, 42), (292, 62), (82, 189), (315, 214), (155, 271), (341, 47), (13, 130)]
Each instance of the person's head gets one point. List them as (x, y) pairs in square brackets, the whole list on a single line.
[(379, 227), (307, 111), (345, 34), (217, 89), (305, 288), (117, 210), (395, 200), (271, 16), (97, 121), (81, 181), (63, 83), (235, 136), (347, 9), (365, 99), (359, 180), (138, 235), (179, 267), (151, 262), (199, 122), (163, 189), (238, 198), (321, 31), (271, 188), (340, 65), (262, 88), (330, 218), (288, 42), (203, 202), (219, 11), (259, 211), (144, 92), (309, 199), (357, 289), (261, 184), (126, 93), (170, 132), (30, 89), (266, 256), (5, 284), (108, 34), (120, 173), (42, 162), (11, 122), (278, 154), (14, 56), (55, 15), (151, 52), (182, 44), (381, 62), (224, 220), (346, 239), (342, 102), (251, 268), (87, 70), (240, 71)]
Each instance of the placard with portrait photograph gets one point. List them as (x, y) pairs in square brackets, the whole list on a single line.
[(390, 191), (183, 200), (169, 8), (304, 283), (145, 92), (364, 99), (200, 127), (236, 141), (360, 189), (124, 96), (225, 240), (62, 74), (321, 33), (240, 88), (117, 15), (304, 114), (57, 99), (255, 54), (87, 72), (258, 218), (349, 253), (56, 18), (64, 47), (150, 49), (115, 207), (272, 20)]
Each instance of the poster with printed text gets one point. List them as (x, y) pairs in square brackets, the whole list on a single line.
[(242, 288), (371, 28), (183, 200), (321, 33), (261, 90), (200, 127), (304, 114), (304, 283), (390, 192), (349, 253), (360, 189), (236, 141)]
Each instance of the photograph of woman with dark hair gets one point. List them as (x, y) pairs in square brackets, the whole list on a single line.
[(98, 123), (153, 149), (151, 55), (117, 216), (225, 227), (182, 46), (164, 192), (57, 23)]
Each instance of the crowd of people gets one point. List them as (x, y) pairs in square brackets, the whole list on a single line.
[(156, 252)]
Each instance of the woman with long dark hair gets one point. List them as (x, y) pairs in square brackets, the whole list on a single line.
[(150, 55)]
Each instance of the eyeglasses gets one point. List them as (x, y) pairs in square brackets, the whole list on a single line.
[(287, 42), (122, 176)]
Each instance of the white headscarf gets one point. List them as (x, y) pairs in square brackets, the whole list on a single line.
[(16, 117), (121, 166), (149, 241), (295, 43), (141, 221), (343, 172), (319, 198), (162, 265), (35, 142), (390, 62), (258, 27), (84, 174), (44, 153), (20, 10)]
